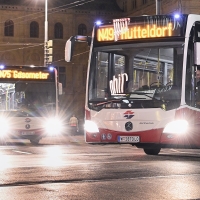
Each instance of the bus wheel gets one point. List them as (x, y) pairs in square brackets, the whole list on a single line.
[(2, 142), (154, 151), (34, 141)]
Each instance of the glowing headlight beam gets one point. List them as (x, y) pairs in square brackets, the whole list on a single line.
[(53, 126), (4, 125), (176, 127), (91, 126)]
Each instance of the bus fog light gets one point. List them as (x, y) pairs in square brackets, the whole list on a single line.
[(91, 127), (94, 135), (170, 136), (177, 127)]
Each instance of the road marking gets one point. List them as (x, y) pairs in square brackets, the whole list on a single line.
[(183, 152), (21, 152)]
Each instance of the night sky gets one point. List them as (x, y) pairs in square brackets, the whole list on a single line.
[(104, 5)]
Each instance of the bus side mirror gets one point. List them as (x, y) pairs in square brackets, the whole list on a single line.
[(60, 91), (69, 46)]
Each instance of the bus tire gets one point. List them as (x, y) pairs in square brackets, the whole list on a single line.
[(35, 141), (153, 151), (2, 142)]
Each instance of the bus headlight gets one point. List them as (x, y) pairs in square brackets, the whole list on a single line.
[(91, 127), (53, 126), (176, 127), (4, 126)]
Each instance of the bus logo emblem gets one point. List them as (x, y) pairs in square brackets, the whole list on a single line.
[(27, 126), (128, 126), (27, 120), (128, 114)]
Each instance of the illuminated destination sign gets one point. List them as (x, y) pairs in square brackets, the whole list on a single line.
[(16, 74), (135, 32), (122, 29)]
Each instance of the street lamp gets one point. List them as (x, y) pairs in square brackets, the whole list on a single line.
[(45, 33)]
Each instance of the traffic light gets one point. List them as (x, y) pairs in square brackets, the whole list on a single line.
[(49, 51)]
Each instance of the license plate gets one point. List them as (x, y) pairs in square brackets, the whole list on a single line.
[(128, 139), (28, 132)]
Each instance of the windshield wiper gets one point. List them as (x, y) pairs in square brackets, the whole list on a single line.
[(99, 105), (106, 102), (150, 94)]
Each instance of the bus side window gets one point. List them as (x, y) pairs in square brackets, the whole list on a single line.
[(198, 78), (190, 88), (102, 75), (198, 88)]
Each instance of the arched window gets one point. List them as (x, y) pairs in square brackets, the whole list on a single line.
[(144, 2), (82, 29), (125, 6), (34, 29), (134, 4), (58, 31), (9, 28)]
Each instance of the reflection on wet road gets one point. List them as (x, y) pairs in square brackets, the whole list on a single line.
[(70, 169)]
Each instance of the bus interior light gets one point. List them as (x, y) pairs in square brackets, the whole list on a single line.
[(177, 127)]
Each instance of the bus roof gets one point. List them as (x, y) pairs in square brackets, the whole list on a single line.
[(16, 73), (139, 29)]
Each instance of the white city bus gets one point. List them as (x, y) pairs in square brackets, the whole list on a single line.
[(142, 84), (28, 103)]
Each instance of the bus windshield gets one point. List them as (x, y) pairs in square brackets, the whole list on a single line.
[(27, 98), (147, 75)]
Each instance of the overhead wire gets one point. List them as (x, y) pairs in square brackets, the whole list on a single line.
[(70, 5), (81, 2), (73, 56), (31, 46), (180, 5)]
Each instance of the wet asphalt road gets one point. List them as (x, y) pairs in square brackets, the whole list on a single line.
[(67, 168)]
